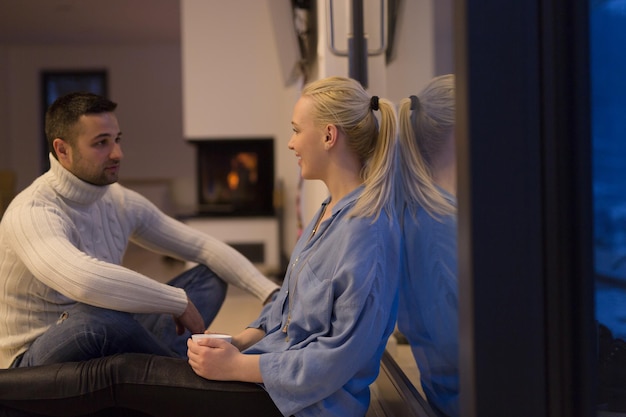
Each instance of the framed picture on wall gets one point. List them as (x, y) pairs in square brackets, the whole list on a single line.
[(56, 83)]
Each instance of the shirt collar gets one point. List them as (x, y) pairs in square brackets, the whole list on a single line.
[(348, 199), (70, 187)]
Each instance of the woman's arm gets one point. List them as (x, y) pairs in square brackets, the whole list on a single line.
[(247, 338)]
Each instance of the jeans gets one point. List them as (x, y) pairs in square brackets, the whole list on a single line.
[(85, 332)]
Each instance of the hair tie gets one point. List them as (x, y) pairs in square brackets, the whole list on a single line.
[(374, 103), (415, 102)]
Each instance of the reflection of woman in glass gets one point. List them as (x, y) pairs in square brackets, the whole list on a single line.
[(427, 207)]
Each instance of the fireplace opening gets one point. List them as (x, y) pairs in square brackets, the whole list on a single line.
[(235, 177)]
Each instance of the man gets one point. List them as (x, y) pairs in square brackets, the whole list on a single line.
[(64, 295)]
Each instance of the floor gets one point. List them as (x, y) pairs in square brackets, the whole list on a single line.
[(240, 308)]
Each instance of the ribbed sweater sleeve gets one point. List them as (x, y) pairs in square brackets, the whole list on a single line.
[(163, 234), (78, 258)]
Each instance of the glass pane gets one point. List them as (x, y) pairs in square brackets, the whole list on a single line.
[(608, 84)]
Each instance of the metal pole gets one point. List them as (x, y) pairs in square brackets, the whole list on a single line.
[(357, 45)]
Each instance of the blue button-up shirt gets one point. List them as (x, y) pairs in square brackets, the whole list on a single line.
[(327, 329)]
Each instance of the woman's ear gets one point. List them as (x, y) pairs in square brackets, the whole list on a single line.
[(331, 136)]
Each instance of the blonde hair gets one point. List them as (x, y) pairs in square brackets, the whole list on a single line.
[(345, 103), (423, 131)]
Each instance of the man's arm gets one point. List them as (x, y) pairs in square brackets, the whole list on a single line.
[(46, 243), (164, 234)]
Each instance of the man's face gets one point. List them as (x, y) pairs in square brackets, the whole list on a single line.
[(95, 155)]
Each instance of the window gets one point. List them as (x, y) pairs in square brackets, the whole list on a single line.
[(57, 83), (608, 91)]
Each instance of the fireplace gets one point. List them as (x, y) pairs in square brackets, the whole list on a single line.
[(235, 177)]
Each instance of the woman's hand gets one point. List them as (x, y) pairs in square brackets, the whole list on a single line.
[(221, 361)]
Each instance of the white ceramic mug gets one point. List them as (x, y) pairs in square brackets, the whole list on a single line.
[(222, 336)]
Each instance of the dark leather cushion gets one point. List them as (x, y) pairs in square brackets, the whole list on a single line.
[(136, 385)]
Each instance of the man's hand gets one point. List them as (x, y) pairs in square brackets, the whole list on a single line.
[(190, 319)]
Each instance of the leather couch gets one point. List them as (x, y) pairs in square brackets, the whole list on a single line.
[(133, 385)]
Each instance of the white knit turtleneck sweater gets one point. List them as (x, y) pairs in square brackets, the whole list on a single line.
[(62, 241)]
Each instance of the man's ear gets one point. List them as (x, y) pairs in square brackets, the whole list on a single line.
[(61, 148)]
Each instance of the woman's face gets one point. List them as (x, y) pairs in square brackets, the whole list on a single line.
[(307, 141)]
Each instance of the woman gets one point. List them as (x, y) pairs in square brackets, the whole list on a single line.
[(428, 305), (316, 348)]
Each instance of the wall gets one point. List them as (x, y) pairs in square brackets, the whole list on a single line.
[(144, 80), (240, 87), (235, 64), (5, 145)]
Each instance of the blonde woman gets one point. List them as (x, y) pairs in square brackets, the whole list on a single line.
[(317, 347)]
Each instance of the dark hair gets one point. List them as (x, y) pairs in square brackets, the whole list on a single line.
[(64, 113)]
